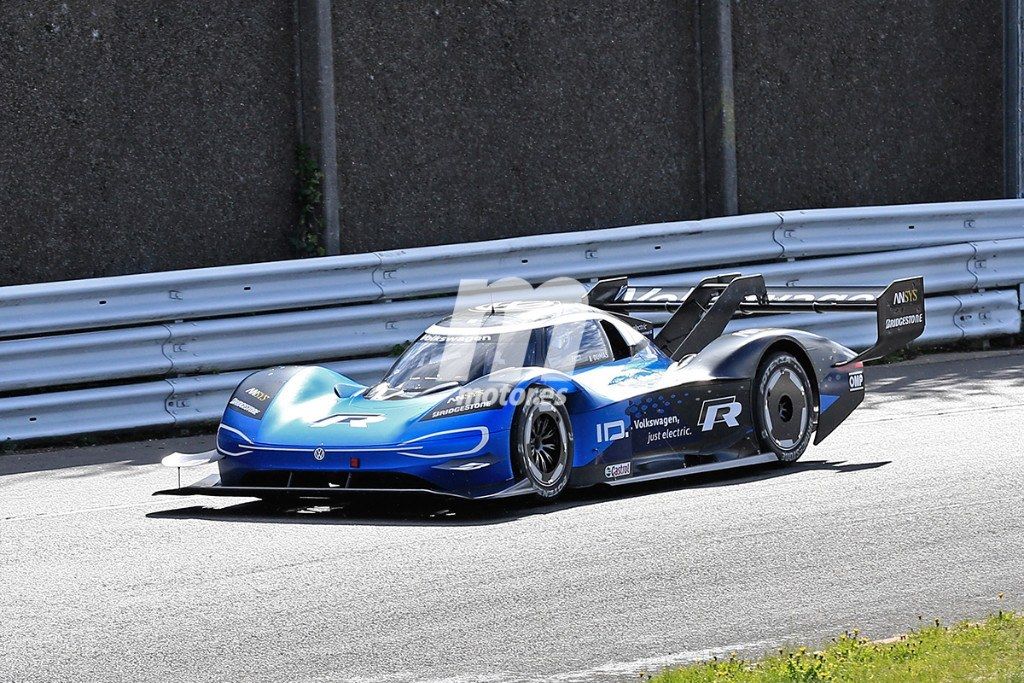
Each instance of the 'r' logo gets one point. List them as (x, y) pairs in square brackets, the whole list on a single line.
[(719, 410)]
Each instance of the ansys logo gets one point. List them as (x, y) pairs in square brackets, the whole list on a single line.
[(907, 297), (257, 394)]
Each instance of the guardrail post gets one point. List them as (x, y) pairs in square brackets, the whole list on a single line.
[(719, 111), (316, 108)]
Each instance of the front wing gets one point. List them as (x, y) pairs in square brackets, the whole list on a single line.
[(212, 486)]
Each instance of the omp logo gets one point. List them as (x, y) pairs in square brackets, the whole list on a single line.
[(257, 394), (907, 297), (611, 431), (856, 381), (724, 410), (358, 421)]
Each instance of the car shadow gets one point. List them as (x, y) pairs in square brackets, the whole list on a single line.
[(405, 510)]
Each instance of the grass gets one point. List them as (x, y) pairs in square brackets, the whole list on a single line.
[(992, 650)]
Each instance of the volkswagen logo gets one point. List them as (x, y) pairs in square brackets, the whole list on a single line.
[(319, 453)]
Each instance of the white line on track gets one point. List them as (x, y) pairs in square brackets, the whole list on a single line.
[(61, 513), (630, 669), (610, 671)]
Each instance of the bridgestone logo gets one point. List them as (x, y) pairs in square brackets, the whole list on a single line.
[(463, 408), (915, 319), (245, 407)]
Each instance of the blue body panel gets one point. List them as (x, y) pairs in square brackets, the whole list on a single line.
[(643, 415)]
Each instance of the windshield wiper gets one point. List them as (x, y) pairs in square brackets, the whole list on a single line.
[(440, 387)]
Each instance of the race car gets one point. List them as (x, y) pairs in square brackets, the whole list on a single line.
[(535, 397)]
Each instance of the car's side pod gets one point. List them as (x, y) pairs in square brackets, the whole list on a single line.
[(738, 356)]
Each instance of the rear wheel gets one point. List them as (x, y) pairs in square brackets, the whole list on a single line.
[(783, 407), (542, 442)]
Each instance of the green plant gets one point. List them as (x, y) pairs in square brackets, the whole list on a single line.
[(308, 241), (399, 349), (992, 650)]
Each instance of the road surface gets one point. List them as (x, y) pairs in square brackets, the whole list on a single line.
[(911, 510)]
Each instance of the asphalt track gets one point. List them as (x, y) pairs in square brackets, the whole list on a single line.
[(913, 509)]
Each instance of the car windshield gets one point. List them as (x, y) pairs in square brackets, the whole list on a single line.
[(438, 361)]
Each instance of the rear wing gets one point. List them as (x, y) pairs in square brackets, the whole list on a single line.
[(700, 314)]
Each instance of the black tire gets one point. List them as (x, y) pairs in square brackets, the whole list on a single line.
[(784, 414), (541, 441)]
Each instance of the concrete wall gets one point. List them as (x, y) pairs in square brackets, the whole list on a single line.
[(468, 121), (159, 134), (872, 102), (144, 135)]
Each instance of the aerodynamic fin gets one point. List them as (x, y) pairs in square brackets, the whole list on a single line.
[(705, 311), (900, 317)]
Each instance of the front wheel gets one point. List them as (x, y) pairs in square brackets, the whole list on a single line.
[(542, 442), (783, 407)]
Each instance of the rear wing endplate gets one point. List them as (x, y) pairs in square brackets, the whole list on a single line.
[(700, 314)]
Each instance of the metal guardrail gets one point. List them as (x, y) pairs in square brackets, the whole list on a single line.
[(582, 255), (169, 347), (215, 345), (948, 268), (331, 281), (180, 401), (824, 232), (186, 294), (187, 401)]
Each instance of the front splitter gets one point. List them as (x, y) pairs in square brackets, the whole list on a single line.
[(211, 486)]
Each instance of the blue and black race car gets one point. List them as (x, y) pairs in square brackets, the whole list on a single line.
[(534, 397)]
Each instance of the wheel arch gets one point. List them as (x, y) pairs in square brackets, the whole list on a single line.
[(560, 405), (793, 348)]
